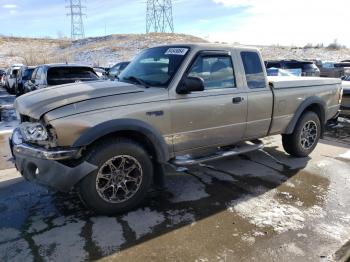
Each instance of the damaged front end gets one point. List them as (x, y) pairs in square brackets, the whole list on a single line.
[(40, 160)]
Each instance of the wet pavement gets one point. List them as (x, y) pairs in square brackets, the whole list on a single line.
[(261, 206)]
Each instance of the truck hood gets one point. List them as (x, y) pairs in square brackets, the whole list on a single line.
[(38, 103)]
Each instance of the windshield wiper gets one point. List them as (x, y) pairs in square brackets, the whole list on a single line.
[(136, 80)]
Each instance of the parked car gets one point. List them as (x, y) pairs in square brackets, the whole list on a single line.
[(345, 66), (23, 76), (345, 104), (277, 72), (117, 69), (329, 69), (11, 76), (2, 73), (176, 105), (59, 74), (101, 72), (297, 68)]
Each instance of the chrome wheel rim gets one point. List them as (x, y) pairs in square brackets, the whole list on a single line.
[(119, 179), (308, 135)]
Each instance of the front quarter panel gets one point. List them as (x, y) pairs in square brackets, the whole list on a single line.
[(155, 114)]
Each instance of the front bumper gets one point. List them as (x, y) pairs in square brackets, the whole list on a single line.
[(42, 167)]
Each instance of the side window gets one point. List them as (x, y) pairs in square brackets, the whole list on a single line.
[(34, 74), (253, 70), (39, 74), (216, 71)]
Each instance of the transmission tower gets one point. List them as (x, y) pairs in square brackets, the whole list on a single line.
[(76, 15), (159, 17)]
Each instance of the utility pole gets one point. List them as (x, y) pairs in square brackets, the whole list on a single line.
[(159, 16), (76, 14)]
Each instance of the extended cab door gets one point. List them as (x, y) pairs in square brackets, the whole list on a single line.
[(260, 97), (215, 116)]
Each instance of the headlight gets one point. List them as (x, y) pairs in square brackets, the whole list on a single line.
[(33, 132)]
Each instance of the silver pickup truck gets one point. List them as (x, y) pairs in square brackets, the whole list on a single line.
[(176, 105)]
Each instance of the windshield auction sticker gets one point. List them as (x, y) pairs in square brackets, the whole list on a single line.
[(176, 51)]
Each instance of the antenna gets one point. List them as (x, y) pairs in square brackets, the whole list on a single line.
[(76, 14), (159, 16)]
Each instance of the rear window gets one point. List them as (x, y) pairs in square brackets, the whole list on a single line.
[(273, 65), (27, 74), (300, 65), (66, 75), (309, 66), (253, 70)]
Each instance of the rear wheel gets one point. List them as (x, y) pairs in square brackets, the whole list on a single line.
[(122, 179), (305, 137)]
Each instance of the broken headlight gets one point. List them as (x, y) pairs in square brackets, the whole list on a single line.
[(33, 132)]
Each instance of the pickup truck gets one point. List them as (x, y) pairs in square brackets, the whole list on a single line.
[(174, 105)]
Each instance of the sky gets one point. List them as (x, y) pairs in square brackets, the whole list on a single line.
[(252, 22)]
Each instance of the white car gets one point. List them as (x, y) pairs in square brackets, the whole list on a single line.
[(11, 75)]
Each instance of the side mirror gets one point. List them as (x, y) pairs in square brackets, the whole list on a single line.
[(191, 84)]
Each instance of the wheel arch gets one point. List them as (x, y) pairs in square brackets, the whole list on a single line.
[(313, 104), (137, 130)]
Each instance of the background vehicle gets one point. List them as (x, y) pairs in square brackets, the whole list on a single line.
[(101, 72), (2, 74), (297, 68), (328, 69), (23, 76), (116, 70), (174, 105), (11, 75), (59, 74), (277, 72), (345, 104)]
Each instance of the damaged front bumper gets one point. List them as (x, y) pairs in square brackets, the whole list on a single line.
[(42, 166)]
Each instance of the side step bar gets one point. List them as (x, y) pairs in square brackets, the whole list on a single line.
[(238, 150)]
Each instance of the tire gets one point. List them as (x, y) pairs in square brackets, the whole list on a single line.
[(302, 144), (96, 190)]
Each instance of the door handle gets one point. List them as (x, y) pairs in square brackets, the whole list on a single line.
[(237, 100)]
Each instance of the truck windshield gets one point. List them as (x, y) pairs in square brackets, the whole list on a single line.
[(155, 66)]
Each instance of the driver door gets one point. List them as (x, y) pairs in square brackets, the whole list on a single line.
[(213, 117)]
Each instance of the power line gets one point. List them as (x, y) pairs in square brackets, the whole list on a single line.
[(159, 16), (76, 14)]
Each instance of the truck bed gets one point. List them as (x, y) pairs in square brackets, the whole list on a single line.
[(288, 82), (289, 93)]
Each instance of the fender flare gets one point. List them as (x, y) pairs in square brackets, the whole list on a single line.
[(112, 126), (313, 100)]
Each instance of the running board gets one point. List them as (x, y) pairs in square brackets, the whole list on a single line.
[(238, 150)]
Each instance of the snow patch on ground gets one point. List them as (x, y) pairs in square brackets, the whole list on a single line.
[(37, 226), (107, 233), (265, 211), (62, 243), (294, 249), (7, 234), (337, 231), (15, 251), (249, 239), (142, 221), (179, 216), (185, 188)]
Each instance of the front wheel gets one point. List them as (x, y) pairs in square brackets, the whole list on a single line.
[(305, 137), (122, 179)]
